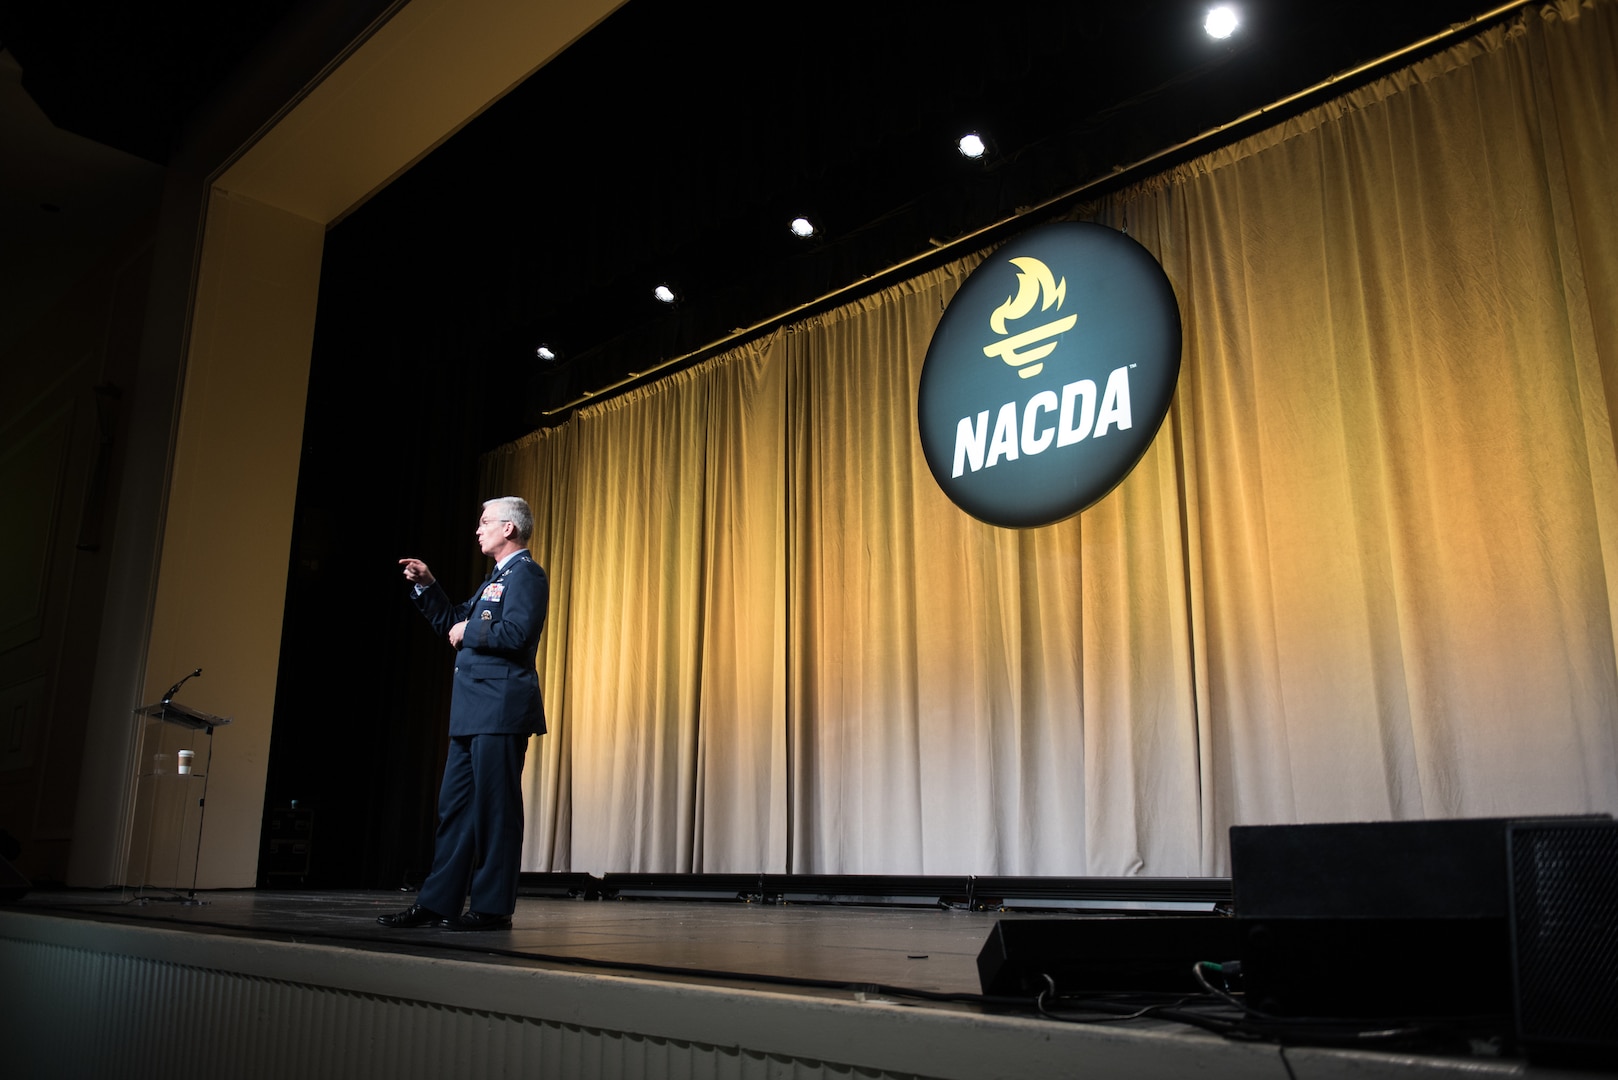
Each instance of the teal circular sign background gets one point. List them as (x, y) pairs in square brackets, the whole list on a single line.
[(1049, 374)]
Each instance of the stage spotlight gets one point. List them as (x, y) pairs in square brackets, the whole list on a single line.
[(664, 293), (1221, 22), (802, 226), (545, 353), (972, 145)]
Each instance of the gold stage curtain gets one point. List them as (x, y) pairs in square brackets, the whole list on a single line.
[(661, 518), (1368, 570)]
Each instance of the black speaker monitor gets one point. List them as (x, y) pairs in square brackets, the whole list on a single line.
[(1564, 938), (1101, 955), (1376, 919)]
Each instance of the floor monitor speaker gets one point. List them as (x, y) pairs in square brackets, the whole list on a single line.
[(1564, 939), (1102, 955), (1374, 919)]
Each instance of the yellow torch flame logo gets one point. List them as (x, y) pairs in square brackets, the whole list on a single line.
[(1023, 351)]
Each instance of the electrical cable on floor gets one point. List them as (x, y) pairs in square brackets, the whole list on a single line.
[(1202, 980), (1226, 1013)]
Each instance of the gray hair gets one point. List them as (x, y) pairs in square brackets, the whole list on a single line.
[(512, 509)]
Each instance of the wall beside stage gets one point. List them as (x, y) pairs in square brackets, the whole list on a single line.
[(1368, 570), (64, 422)]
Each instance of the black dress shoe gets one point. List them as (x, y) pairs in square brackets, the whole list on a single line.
[(477, 920), (415, 916)]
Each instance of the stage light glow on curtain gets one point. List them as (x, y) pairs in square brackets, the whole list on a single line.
[(1368, 570)]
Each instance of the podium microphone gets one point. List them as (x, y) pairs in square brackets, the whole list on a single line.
[(168, 697)]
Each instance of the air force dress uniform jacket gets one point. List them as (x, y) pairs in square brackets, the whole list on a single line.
[(496, 686)]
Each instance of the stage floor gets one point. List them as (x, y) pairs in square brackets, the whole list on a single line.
[(931, 950)]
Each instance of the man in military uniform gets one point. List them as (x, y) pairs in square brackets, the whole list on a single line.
[(494, 708)]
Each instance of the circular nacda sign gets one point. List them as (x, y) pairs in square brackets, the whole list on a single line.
[(1049, 374)]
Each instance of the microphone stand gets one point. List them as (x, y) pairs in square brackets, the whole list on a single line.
[(175, 689)]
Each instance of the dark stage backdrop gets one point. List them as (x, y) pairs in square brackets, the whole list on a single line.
[(399, 410)]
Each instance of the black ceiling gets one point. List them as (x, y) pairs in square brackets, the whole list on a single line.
[(675, 141), (129, 74)]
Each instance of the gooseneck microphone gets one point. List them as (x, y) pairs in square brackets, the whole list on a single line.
[(168, 697)]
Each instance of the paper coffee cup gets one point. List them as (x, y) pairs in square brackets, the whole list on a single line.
[(185, 761)]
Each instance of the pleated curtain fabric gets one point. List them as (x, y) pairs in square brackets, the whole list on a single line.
[(1368, 570)]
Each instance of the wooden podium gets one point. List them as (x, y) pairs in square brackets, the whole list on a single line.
[(171, 796)]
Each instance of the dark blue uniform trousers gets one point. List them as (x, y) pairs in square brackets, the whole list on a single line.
[(479, 844)]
